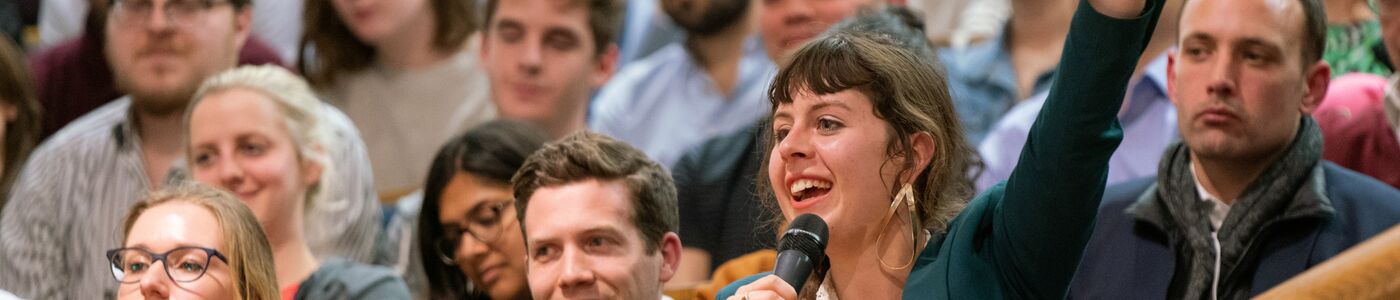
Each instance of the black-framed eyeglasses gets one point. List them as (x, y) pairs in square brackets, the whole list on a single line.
[(183, 264), (483, 223), (177, 12)]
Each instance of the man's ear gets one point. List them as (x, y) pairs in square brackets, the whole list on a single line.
[(242, 26), (1171, 75), (923, 147), (607, 65), (670, 255), (1319, 76), (485, 46)]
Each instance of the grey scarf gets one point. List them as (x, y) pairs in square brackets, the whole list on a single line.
[(1265, 200)]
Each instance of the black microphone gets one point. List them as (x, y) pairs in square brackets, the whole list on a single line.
[(803, 245)]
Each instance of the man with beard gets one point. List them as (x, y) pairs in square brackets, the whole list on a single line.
[(711, 84), (68, 203)]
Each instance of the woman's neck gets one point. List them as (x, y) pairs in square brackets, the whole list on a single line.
[(291, 255), (412, 47), (856, 271), (294, 263)]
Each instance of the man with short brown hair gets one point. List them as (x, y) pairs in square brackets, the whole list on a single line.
[(599, 220), (546, 57), (1245, 201)]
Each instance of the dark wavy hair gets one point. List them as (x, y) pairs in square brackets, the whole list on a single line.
[(492, 152), (883, 56), (339, 51), (17, 90)]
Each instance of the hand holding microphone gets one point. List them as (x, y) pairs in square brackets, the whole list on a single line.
[(801, 249)]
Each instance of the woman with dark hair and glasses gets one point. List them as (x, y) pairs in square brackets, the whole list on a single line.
[(193, 241), (467, 229)]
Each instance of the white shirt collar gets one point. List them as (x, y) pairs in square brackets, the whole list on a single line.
[(1220, 210)]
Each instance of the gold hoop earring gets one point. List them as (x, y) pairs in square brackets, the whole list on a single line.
[(906, 196)]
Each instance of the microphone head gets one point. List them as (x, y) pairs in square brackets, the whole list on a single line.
[(807, 234)]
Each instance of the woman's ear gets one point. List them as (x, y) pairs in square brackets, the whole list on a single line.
[(311, 168), (921, 143)]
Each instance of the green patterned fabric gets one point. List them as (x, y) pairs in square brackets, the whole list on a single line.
[(1350, 49)]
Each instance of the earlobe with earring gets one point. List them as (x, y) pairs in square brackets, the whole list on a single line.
[(906, 196)]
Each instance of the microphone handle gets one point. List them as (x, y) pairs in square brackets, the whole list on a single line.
[(793, 267)]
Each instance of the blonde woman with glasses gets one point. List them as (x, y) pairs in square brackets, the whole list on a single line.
[(195, 242)]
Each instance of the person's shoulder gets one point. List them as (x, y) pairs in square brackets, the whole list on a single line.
[(635, 87), (339, 278), (640, 74), (1123, 194), (667, 56), (1022, 115), (729, 145), (1349, 189), (733, 287), (255, 51), (1350, 93), (349, 269), (336, 120), (62, 55), (1002, 146), (662, 60), (1361, 206), (94, 128), (717, 158)]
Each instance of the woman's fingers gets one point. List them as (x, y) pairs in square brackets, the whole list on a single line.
[(766, 288), (759, 295)]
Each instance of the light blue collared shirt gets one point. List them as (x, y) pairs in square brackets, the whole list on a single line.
[(666, 104), (982, 81), (1149, 126)]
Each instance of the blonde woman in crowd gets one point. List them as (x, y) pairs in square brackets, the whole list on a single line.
[(259, 133), (207, 244)]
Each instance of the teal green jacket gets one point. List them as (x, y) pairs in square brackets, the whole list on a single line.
[(1023, 238)]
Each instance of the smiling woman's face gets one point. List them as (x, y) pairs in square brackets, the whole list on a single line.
[(829, 159), (239, 142)]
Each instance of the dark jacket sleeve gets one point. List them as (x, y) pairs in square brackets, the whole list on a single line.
[(1046, 214)]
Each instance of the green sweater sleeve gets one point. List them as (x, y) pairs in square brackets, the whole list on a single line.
[(1046, 212)]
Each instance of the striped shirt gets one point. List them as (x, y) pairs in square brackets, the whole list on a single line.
[(66, 207)]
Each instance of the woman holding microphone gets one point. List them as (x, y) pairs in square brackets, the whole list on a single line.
[(865, 136)]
